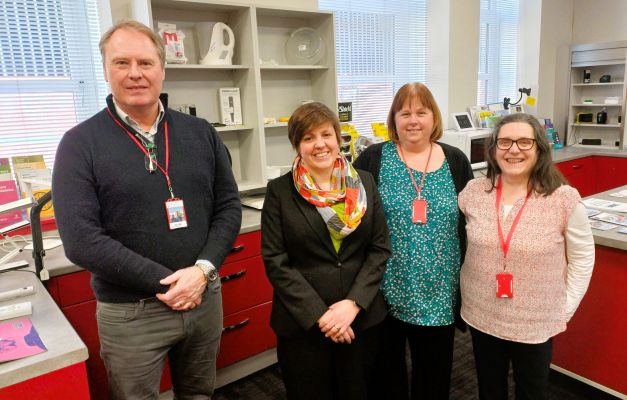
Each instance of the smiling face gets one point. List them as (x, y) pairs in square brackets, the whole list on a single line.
[(133, 69), (515, 163), (319, 149), (414, 123)]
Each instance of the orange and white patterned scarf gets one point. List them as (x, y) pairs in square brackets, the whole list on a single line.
[(346, 187)]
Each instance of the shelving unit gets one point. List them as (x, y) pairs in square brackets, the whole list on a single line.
[(601, 59), (269, 86)]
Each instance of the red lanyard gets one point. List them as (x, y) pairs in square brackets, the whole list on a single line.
[(424, 174), (505, 243), (143, 149)]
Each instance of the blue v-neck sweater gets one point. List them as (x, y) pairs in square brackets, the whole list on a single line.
[(110, 210)]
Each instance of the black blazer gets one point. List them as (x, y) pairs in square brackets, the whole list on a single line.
[(306, 272)]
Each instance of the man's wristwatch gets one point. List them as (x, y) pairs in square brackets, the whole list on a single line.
[(211, 274)]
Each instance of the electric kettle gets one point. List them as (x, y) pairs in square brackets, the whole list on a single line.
[(220, 52)]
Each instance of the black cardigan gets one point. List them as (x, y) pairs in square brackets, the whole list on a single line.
[(370, 160)]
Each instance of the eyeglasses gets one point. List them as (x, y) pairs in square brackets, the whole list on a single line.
[(523, 144), (150, 159)]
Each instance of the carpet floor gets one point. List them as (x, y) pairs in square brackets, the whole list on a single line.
[(267, 384)]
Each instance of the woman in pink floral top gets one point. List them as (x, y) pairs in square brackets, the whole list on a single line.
[(529, 259)]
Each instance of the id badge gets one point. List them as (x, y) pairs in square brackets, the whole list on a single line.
[(175, 210), (419, 211), (504, 285)]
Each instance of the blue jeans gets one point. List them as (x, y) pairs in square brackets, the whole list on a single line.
[(135, 339)]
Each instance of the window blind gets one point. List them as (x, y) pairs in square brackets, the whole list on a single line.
[(498, 51), (50, 73), (380, 45)]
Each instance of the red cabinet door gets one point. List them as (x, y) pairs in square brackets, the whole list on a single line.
[(246, 245), (580, 174), (246, 333), (611, 172), (594, 345), (244, 284)]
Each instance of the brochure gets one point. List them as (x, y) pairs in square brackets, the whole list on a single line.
[(605, 205), (602, 226), (622, 193), (8, 193), (19, 339), (611, 218), (34, 168)]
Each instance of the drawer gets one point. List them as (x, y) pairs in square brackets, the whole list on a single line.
[(570, 167), (244, 284), (246, 245), (73, 288), (246, 333)]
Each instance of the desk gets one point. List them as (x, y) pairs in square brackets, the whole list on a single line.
[(60, 371), (593, 348)]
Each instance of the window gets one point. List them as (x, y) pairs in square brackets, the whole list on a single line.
[(50, 73), (380, 45), (498, 51)]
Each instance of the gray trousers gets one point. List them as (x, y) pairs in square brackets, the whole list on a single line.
[(135, 339)]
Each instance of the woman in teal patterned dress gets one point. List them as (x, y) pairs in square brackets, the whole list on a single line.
[(427, 231)]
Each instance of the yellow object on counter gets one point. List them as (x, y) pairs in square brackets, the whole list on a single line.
[(381, 130)]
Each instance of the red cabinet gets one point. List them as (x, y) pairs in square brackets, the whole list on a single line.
[(595, 344), (611, 173), (594, 174), (580, 173), (246, 302), (246, 333)]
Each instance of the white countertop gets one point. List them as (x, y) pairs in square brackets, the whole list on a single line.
[(611, 238), (64, 346)]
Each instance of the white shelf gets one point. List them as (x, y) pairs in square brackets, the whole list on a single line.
[(233, 128), (277, 125), (598, 84), (597, 125), (594, 146), (585, 64), (601, 60), (293, 67), (243, 186), (265, 89), (595, 105), (201, 66)]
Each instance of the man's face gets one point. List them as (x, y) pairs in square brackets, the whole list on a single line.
[(133, 69)]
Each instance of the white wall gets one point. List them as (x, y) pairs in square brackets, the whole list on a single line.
[(464, 55), (453, 54), (554, 56), (599, 21)]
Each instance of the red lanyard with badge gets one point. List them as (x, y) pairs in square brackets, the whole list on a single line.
[(419, 205), (505, 280), (174, 207)]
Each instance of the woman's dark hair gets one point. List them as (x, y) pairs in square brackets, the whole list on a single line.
[(310, 116), (545, 178), (412, 92)]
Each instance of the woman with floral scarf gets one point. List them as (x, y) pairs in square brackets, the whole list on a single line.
[(325, 245)]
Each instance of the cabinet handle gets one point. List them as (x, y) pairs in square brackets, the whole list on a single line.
[(236, 275), (576, 166), (237, 249), (236, 326)]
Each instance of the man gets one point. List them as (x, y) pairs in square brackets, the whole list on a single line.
[(119, 178)]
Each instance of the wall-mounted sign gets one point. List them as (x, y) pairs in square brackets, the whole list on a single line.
[(345, 111)]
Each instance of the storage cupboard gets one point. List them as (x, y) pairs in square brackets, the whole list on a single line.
[(270, 87)]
